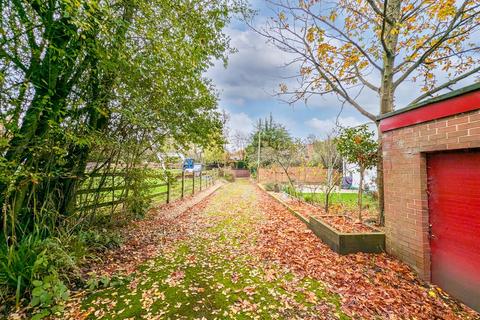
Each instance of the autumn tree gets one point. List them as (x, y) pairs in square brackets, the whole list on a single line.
[(346, 48), (215, 155), (357, 145)]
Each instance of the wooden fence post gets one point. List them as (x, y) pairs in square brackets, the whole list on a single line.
[(183, 183), (168, 190), (193, 182)]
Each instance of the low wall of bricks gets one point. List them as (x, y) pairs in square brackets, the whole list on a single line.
[(405, 179)]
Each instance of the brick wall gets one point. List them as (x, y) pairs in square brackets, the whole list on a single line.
[(405, 178)]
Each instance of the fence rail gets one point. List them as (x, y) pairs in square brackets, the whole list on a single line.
[(118, 192)]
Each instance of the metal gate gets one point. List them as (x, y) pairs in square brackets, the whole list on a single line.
[(454, 211)]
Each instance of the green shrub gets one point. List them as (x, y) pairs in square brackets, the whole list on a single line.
[(137, 202), (19, 263), (290, 190), (309, 197), (271, 186), (23, 266), (48, 296), (39, 269), (99, 240)]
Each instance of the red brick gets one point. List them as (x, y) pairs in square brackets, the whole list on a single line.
[(457, 134), (437, 124), (475, 131), (457, 121), (469, 139), (448, 129), (474, 117), (469, 125)]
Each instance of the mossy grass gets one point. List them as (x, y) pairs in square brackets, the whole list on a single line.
[(212, 276)]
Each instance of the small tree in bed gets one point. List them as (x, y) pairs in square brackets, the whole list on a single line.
[(359, 146), (328, 157)]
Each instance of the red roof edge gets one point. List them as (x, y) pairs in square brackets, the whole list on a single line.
[(459, 104)]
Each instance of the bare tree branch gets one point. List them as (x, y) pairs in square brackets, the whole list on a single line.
[(445, 85)]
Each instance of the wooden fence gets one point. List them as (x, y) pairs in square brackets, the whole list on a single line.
[(102, 190), (305, 175), (241, 173)]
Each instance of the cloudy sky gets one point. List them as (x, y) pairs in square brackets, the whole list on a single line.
[(252, 77)]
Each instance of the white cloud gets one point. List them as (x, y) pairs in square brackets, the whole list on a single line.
[(325, 126), (254, 72), (240, 123)]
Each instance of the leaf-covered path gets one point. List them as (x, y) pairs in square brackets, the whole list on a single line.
[(214, 273), (240, 255)]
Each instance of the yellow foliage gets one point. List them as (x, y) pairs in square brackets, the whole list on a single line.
[(311, 34), (325, 48), (333, 15)]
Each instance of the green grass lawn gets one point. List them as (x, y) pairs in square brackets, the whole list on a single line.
[(347, 199), (160, 189)]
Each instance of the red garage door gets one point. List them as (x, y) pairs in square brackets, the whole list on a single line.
[(454, 208)]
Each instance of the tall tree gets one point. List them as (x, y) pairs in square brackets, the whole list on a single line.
[(97, 81), (345, 47), (268, 134)]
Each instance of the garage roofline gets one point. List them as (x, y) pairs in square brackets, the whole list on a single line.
[(455, 102)]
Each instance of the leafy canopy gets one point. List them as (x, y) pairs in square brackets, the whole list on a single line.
[(358, 146), (273, 137)]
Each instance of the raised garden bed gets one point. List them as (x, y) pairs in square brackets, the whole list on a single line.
[(339, 232), (368, 240), (346, 224)]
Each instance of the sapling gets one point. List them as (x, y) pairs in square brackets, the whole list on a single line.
[(359, 146)]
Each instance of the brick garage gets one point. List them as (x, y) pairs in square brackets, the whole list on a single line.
[(446, 126)]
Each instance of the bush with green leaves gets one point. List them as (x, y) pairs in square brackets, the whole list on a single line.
[(309, 197), (272, 186), (99, 240), (289, 189), (359, 146), (48, 296), (32, 259)]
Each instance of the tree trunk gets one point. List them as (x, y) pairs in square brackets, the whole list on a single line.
[(329, 187), (387, 91), (327, 201), (380, 188), (360, 194)]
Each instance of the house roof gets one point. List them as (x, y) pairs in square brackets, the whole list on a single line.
[(446, 96)]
